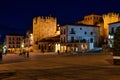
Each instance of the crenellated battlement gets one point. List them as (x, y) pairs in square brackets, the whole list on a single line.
[(34, 20), (44, 27), (44, 19), (109, 18), (112, 14)]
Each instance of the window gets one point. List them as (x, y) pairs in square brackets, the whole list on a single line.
[(9, 42), (9, 46), (13, 38), (39, 47), (72, 31), (84, 40), (72, 39), (9, 38), (61, 31), (16, 38), (91, 40), (112, 30), (64, 39), (91, 33), (97, 18), (64, 31), (88, 18), (80, 28), (45, 46), (85, 33)]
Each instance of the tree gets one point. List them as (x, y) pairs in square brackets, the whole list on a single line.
[(116, 49)]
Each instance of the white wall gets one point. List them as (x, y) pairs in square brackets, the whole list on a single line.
[(115, 25), (81, 33)]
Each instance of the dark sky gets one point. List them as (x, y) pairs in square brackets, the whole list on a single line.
[(19, 13)]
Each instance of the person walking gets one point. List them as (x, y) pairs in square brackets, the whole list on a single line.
[(58, 52), (27, 54)]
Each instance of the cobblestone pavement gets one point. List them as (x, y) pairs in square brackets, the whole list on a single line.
[(59, 67)]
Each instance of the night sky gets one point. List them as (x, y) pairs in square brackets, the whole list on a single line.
[(17, 15)]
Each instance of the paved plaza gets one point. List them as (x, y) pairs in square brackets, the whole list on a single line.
[(58, 67)]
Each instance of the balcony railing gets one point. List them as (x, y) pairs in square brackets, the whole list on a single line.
[(72, 32)]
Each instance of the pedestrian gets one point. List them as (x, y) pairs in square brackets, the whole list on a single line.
[(27, 54), (58, 52)]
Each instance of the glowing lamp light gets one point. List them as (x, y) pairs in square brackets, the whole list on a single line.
[(22, 45), (110, 37)]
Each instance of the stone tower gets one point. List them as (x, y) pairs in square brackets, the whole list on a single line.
[(44, 27), (92, 19), (109, 18)]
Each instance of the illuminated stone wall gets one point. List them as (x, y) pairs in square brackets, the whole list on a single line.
[(92, 19), (109, 18), (102, 21), (13, 43), (44, 27)]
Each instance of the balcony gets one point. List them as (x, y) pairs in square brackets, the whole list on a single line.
[(72, 32)]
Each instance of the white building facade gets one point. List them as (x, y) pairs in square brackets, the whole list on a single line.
[(79, 36), (112, 29)]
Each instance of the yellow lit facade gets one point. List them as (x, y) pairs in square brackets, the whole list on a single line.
[(109, 18), (91, 19), (43, 27), (13, 43)]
